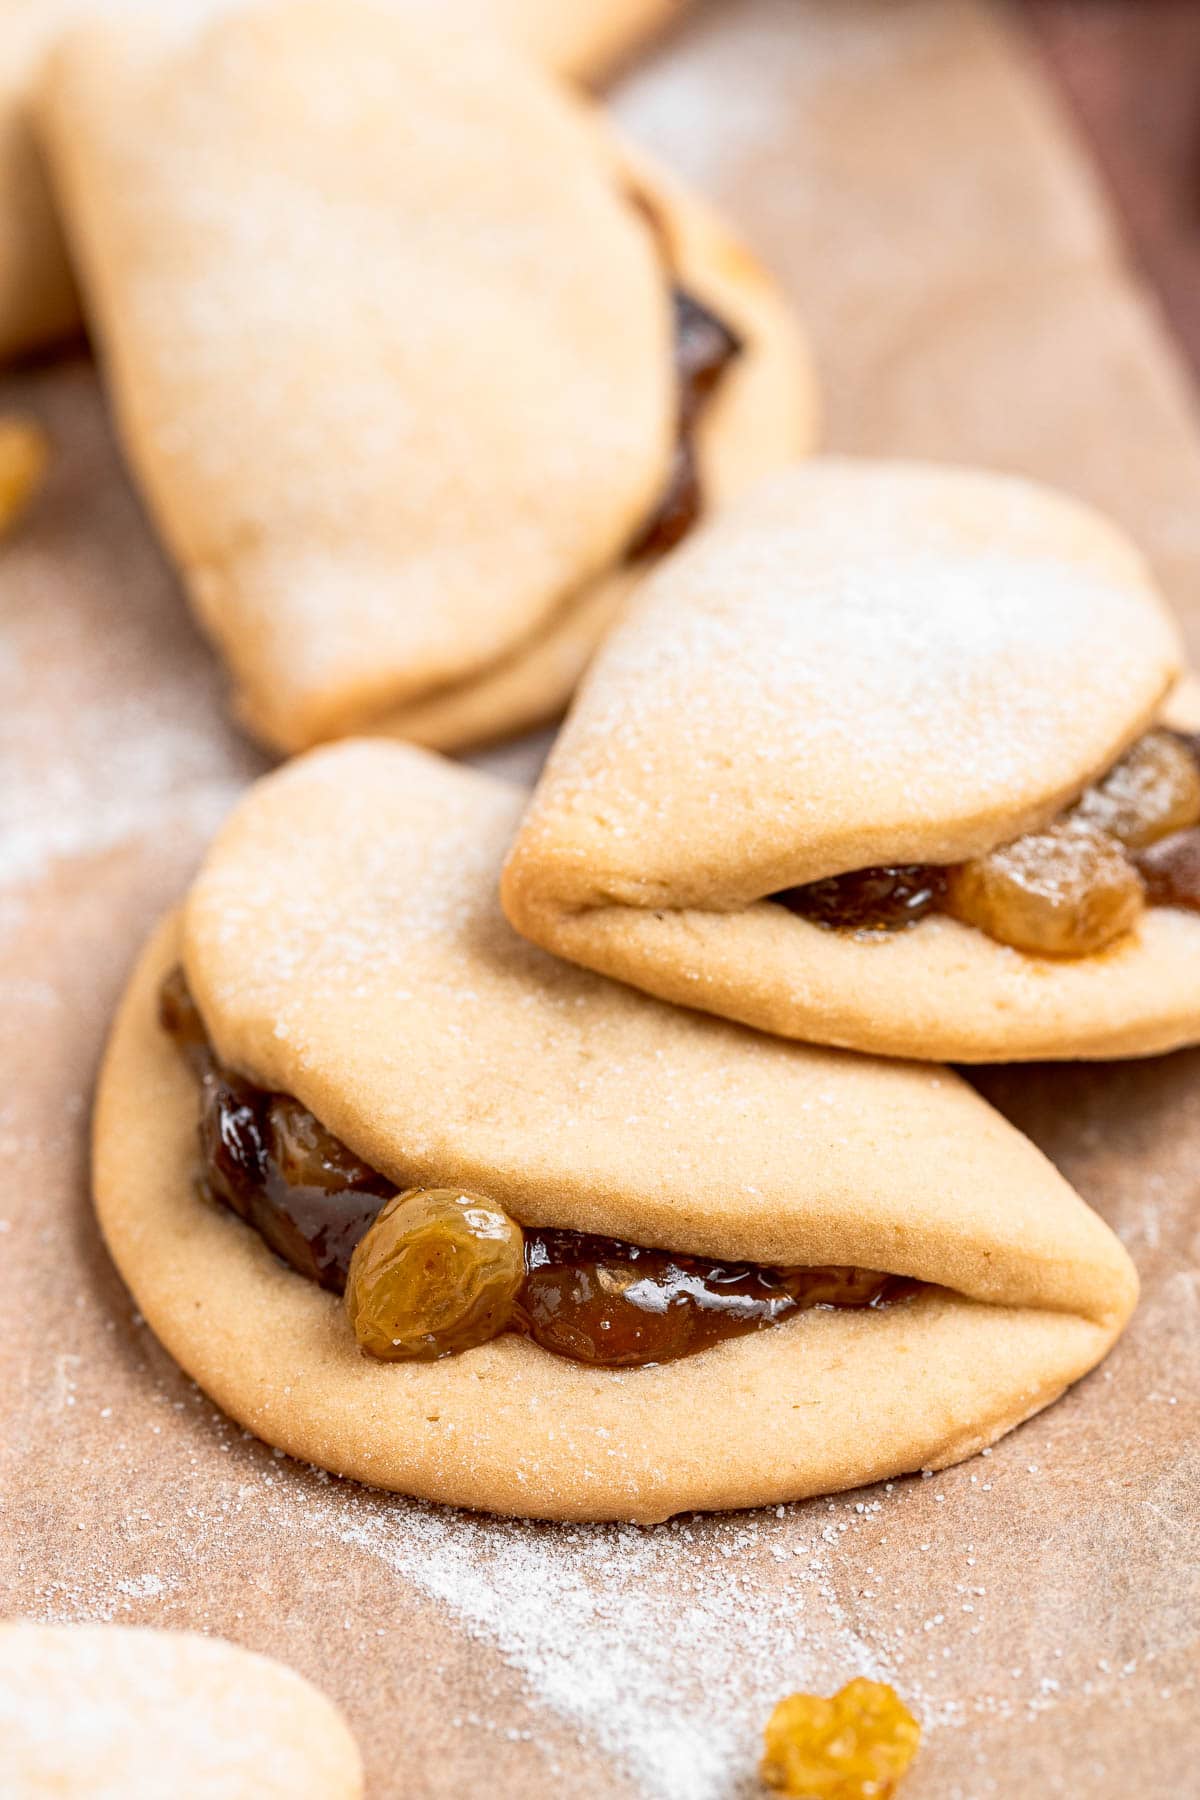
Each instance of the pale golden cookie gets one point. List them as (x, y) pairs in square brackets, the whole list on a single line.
[(861, 665), (584, 38), (391, 344), (104, 1712), (38, 304), (345, 946)]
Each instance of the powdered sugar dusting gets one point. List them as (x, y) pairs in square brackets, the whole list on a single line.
[(68, 823), (664, 1648), (666, 1663)]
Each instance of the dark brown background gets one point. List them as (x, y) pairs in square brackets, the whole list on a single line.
[(900, 163), (1130, 71)]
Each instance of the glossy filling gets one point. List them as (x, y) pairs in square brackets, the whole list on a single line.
[(1131, 840), (704, 349), (428, 1272)]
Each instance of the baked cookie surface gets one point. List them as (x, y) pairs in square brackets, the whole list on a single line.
[(344, 946), (101, 1712), (389, 327), (868, 669), (38, 303)]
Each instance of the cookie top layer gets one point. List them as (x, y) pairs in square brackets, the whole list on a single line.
[(101, 1711), (860, 664), (345, 945), (388, 340)]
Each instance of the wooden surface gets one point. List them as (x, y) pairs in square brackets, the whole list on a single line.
[(900, 164)]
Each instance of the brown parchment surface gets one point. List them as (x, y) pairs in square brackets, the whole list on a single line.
[(901, 166)]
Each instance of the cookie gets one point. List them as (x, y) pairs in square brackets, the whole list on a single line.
[(878, 760), (38, 303), (394, 332), (99, 1712), (346, 956)]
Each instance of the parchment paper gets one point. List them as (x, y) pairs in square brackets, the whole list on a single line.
[(900, 165)]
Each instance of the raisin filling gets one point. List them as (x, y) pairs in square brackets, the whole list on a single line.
[(1131, 840), (437, 1271), (704, 349)]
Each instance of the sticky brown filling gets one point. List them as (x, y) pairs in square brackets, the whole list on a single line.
[(704, 349), (433, 1271), (1131, 840)]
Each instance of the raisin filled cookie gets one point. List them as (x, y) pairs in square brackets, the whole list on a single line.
[(418, 368), (37, 296), (890, 759), (418, 1203), (102, 1712)]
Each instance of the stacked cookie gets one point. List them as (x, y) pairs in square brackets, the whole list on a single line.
[(895, 758), (592, 1159)]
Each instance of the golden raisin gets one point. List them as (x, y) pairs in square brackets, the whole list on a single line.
[(437, 1272), (1065, 891), (1153, 790), (24, 453), (853, 1747)]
